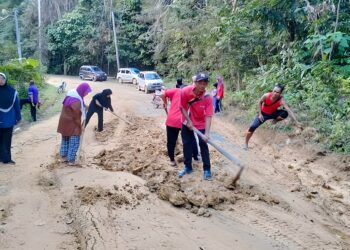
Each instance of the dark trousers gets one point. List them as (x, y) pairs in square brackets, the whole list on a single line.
[(172, 135), (256, 122), (5, 144), (218, 106), (187, 140), (32, 108), (93, 108)]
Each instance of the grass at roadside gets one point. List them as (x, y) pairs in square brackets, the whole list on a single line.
[(51, 104)]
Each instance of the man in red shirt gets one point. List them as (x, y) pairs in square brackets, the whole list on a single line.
[(197, 111), (173, 121), (268, 109), (219, 94)]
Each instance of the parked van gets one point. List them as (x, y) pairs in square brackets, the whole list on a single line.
[(128, 75), (149, 81), (92, 73)]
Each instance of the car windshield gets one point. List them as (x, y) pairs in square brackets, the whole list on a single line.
[(152, 76), (95, 68), (136, 71)]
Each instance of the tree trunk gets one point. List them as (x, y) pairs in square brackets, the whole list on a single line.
[(234, 4), (335, 30), (238, 82), (65, 67)]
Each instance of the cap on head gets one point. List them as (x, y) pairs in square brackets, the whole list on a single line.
[(3, 75), (202, 77)]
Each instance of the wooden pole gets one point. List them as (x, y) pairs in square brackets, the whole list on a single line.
[(115, 41), (39, 31), (18, 36)]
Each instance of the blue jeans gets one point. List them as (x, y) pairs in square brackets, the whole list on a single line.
[(187, 141)]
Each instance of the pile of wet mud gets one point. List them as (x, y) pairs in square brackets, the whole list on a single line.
[(126, 195), (142, 151), (108, 130)]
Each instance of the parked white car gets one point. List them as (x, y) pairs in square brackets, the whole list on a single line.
[(149, 81), (128, 75)]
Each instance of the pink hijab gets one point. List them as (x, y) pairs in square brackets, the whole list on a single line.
[(82, 89)]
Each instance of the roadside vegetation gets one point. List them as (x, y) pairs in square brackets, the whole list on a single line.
[(19, 75), (254, 44)]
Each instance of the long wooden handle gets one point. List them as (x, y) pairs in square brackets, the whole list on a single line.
[(220, 149), (120, 117)]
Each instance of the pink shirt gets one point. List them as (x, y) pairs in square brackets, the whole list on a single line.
[(174, 117), (200, 109)]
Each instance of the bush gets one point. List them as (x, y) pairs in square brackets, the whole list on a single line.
[(18, 73)]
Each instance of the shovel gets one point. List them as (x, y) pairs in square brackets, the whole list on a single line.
[(129, 123), (225, 153)]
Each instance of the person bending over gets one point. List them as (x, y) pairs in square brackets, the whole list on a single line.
[(99, 102), (269, 108)]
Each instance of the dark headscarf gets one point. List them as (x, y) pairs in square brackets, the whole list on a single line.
[(103, 98), (7, 95), (106, 92)]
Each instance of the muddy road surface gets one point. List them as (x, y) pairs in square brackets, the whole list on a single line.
[(125, 195)]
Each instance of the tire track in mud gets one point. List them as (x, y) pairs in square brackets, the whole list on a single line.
[(282, 229)]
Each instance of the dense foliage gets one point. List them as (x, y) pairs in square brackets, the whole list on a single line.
[(254, 44), (258, 43), (20, 73), (85, 36)]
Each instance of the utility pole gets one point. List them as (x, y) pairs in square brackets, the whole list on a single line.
[(115, 41), (39, 31), (18, 37)]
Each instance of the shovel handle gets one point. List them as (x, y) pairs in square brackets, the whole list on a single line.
[(120, 117), (220, 149)]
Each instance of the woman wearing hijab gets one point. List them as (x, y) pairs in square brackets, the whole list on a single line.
[(99, 102), (10, 115), (70, 123)]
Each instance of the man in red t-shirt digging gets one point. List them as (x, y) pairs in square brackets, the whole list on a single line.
[(197, 110), (173, 120)]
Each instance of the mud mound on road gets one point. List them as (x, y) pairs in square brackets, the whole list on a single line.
[(108, 130), (142, 151)]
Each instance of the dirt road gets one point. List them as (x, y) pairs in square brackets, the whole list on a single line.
[(126, 196)]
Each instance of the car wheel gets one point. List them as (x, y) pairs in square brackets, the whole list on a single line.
[(138, 87), (120, 80), (134, 81), (94, 79)]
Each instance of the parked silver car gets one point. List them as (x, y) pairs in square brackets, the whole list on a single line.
[(128, 75), (149, 81)]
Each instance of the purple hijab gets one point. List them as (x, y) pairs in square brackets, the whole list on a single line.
[(81, 89)]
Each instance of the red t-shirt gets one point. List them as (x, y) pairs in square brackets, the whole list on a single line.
[(268, 107), (200, 109), (174, 117), (220, 92)]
